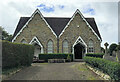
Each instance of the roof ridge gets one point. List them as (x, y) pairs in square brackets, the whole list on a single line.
[(57, 17), (90, 17), (60, 17), (57, 30), (24, 17)]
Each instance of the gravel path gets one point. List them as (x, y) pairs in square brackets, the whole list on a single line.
[(55, 71)]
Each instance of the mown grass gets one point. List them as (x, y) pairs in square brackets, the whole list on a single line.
[(87, 72), (82, 68), (91, 78)]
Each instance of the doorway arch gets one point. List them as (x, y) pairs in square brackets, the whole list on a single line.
[(38, 46), (37, 49), (79, 51)]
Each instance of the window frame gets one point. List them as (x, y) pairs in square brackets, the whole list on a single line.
[(90, 46), (67, 48), (52, 46)]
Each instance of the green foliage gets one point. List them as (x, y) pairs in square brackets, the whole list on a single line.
[(9, 71), (68, 57), (14, 54), (5, 35), (97, 55), (54, 56), (112, 48), (118, 47), (109, 67)]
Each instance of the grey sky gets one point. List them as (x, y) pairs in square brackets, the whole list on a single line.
[(105, 14), (119, 22)]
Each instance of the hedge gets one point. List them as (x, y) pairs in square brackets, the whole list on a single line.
[(109, 67), (97, 55), (15, 54), (54, 56)]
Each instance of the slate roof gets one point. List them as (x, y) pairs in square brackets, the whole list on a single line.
[(57, 24), (92, 23), (20, 24)]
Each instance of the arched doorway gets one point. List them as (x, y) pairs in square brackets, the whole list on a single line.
[(79, 51), (38, 46), (37, 50)]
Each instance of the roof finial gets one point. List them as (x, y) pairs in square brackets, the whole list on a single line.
[(77, 10), (37, 9)]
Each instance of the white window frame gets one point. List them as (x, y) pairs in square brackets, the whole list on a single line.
[(91, 46), (50, 46), (65, 47)]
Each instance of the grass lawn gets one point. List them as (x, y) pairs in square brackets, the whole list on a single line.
[(89, 75)]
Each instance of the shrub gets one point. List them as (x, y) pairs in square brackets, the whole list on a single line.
[(112, 48), (14, 54), (54, 56), (97, 55), (68, 57), (108, 67)]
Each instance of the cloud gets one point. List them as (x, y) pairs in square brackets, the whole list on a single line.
[(105, 13), (119, 22), (87, 9), (45, 8), (107, 20), (61, 6)]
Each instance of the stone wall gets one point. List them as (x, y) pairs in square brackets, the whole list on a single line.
[(72, 32), (37, 27)]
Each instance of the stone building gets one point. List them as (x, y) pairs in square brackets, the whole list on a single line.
[(77, 34)]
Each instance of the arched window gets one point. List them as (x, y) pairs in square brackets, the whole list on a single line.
[(65, 46), (23, 41), (50, 46), (91, 46)]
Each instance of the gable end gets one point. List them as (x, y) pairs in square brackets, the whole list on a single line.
[(36, 11), (77, 11)]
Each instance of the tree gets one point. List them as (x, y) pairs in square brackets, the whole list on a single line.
[(118, 47), (112, 48), (5, 35)]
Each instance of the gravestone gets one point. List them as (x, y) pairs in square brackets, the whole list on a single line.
[(106, 54), (114, 53)]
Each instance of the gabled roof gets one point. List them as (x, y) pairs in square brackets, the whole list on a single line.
[(32, 16), (92, 23), (57, 24), (21, 23)]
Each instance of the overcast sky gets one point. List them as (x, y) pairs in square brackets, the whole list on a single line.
[(119, 22), (105, 13)]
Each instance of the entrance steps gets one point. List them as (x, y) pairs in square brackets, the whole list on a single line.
[(78, 60)]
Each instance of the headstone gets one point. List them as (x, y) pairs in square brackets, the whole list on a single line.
[(106, 54), (114, 53)]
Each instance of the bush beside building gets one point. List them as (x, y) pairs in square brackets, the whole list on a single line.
[(109, 67), (15, 55)]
